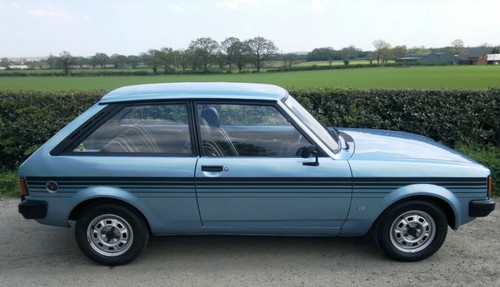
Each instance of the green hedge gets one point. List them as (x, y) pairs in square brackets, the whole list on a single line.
[(29, 118), (77, 73), (488, 156), (470, 116)]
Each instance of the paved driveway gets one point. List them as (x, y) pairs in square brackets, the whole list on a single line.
[(35, 255)]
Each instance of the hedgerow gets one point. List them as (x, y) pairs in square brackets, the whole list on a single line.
[(29, 118), (468, 117)]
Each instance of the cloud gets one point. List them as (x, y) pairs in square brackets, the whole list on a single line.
[(54, 13), (15, 5), (319, 5), (239, 4), (175, 8)]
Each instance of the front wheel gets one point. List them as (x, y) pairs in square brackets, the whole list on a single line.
[(111, 234), (411, 231)]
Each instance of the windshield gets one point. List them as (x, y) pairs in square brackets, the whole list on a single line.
[(321, 132)]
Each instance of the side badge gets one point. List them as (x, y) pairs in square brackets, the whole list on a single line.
[(52, 186)]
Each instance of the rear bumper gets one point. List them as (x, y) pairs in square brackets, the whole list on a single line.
[(33, 209), (481, 208)]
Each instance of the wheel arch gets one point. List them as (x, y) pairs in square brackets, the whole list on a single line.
[(444, 205), (436, 194), (79, 208)]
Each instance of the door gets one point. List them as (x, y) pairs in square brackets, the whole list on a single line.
[(249, 177)]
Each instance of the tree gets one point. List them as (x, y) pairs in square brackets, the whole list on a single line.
[(381, 46), (205, 50), (485, 48), (241, 54), (363, 54), (289, 59), (349, 53), (118, 60), (192, 58), (386, 54), (236, 52), (181, 59), (399, 51), (221, 59), (260, 49), (5, 62), (100, 59), (81, 61), (457, 47), (66, 60), (322, 54), (369, 57), (133, 61), (52, 61), (151, 60), (421, 50), (228, 46), (165, 59)]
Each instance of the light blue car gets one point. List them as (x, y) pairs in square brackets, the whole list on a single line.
[(229, 158)]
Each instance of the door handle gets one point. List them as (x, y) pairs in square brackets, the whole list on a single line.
[(212, 168)]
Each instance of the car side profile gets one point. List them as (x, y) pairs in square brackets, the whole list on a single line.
[(234, 158)]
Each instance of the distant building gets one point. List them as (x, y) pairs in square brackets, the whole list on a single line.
[(493, 59), (473, 56), (433, 58), (18, 67)]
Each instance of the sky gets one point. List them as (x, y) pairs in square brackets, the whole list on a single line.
[(38, 28)]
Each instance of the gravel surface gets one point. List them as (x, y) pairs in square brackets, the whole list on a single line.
[(36, 255)]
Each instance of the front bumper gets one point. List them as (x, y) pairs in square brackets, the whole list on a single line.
[(481, 208), (33, 209)]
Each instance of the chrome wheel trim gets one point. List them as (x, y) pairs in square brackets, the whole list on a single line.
[(412, 231), (110, 235)]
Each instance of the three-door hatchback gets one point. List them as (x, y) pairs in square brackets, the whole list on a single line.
[(228, 158)]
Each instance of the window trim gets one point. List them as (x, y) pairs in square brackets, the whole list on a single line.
[(273, 103), (83, 130), (68, 144)]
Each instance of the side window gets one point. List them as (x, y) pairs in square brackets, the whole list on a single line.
[(247, 130), (142, 129)]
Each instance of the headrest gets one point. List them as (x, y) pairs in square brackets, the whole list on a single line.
[(211, 116)]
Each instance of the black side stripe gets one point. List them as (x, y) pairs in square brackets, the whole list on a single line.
[(372, 182)]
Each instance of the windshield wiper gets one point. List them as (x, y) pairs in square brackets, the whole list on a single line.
[(337, 135)]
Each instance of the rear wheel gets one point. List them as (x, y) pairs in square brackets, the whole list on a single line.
[(411, 231), (111, 234)]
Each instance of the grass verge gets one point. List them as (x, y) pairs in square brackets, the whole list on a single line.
[(488, 156), (9, 184)]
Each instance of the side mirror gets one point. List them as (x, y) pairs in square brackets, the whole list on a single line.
[(306, 152)]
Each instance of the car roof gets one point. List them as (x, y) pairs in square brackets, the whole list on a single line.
[(200, 90)]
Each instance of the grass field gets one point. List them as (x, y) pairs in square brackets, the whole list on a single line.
[(335, 63), (449, 77)]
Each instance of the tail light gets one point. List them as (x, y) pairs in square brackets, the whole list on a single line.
[(490, 186), (24, 188)]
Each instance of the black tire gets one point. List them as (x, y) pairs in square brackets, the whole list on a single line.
[(111, 234), (411, 230)]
